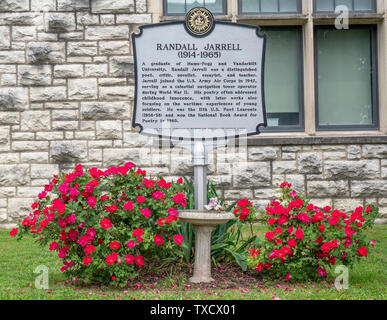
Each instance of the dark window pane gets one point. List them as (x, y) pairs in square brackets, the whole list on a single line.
[(282, 77), (270, 6), (344, 76), (353, 5), (183, 6)]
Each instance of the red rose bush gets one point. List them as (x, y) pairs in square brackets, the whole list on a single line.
[(106, 225), (304, 241)]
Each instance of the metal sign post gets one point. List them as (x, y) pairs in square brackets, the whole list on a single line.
[(199, 160), (199, 83)]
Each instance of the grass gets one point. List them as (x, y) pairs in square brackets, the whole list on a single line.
[(19, 259)]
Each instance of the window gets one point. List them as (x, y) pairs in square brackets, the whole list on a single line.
[(353, 5), (181, 7), (346, 85), (283, 78), (269, 6)]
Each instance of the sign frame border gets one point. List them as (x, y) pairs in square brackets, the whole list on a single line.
[(260, 35)]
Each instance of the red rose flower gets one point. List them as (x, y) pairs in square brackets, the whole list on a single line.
[(53, 246), (13, 232), (270, 235), (140, 199), (243, 203), (87, 260), (278, 230), (111, 208), (259, 267), (158, 240), (111, 258), (292, 243), (114, 245), (106, 224), (91, 201), (139, 260), (271, 221), (299, 234), (178, 239), (128, 206), (129, 259), (362, 251), (89, 249), (146, 212)]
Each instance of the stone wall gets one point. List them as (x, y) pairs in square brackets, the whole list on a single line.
[(66, 97)]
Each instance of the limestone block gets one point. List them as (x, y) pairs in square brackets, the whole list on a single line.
[(68, 151), (12, 56), (4, 138), (19, 207), (73, 5), (34, 157), (324, 189), (362, 169), (83, 48), (46, 52), (43, 5), (347, 205), (134, 18), (310, 162), (263, 153), (354, 152), (253, 175), (21, 18), (35, 120), (48, 93), (39, 75), (82, 89), (112, 6), (109, 129), (369, 188), (65, 125), (116, 93), (105, 110), (9, 118), (107, 32), (29, 145), (96, 70), (13, 99), (5, 39), (14, 175), (122, 66), (283, 167), (68, 71), (116, 156), (59, 22), (23, 33), (141, 6), (14, 5), (114, 47), (378, 151)]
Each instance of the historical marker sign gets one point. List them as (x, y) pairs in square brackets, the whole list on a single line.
[(199, 75)]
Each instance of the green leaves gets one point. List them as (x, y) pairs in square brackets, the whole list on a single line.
[(94, 196), (226, 240)]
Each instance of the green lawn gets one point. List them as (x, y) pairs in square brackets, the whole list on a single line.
[(18, 260)]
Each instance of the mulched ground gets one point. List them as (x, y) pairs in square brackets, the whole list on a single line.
[(226, 276)]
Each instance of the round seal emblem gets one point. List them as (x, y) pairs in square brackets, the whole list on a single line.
[(199, 21)]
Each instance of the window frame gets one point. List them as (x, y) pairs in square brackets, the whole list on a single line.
[(240, 12), (373, 10), (301, 126), (165, 9), (373, 78)]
